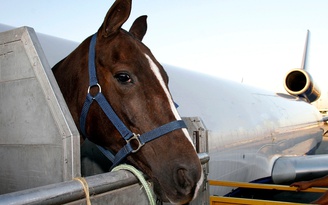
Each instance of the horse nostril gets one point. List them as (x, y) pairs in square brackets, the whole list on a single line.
[(184, 181), (182, 178)]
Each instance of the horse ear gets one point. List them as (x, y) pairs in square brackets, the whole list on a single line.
[(116, 16), (139, 27)]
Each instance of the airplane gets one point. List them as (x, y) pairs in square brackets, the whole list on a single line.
[(253, 134)]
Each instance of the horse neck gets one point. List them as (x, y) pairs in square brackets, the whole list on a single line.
[(72, 77)]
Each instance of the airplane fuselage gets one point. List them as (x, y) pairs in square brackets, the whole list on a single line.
[(249, 128)]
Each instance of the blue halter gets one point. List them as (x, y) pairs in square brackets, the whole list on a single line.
[(119, 125)]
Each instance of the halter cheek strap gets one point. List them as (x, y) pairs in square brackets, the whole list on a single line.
[(127, 135)]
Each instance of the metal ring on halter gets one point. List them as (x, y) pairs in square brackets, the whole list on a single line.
[(99, 88), (135, 137)]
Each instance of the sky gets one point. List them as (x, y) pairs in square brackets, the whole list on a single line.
[(255, 42)]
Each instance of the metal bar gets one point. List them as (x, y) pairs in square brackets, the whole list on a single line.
[(71, 190), (203, 157), (263, 186)]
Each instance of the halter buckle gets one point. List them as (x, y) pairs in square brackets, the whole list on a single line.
[(135, 137), (99, 89)]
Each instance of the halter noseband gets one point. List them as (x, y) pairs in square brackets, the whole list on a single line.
[(127, 135)]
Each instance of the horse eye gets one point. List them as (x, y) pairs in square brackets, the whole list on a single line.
[(123, 78)]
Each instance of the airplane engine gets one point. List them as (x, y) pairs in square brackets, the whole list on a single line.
[(298, 82)]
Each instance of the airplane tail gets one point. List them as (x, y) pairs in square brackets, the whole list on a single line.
[(306, 50), (298, 82)]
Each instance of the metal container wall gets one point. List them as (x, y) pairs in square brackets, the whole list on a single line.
[(39, 142)]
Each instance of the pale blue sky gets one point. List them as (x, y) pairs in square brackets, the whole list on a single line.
[(254, 41)]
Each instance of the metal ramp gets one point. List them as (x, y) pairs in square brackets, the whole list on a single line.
[(39, 142)]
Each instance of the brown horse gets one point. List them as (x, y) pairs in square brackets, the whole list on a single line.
[(135, 86)]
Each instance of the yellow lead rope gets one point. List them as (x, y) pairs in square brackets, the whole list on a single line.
[(140, 177), (85, 188)]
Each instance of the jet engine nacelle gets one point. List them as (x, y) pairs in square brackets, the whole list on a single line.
[(298, 82)]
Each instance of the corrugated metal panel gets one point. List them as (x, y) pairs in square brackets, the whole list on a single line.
[(39, 142)]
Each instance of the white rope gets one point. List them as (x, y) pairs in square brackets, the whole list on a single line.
[(140, 177)]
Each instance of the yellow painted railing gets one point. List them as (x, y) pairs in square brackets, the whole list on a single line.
[(216, 200)]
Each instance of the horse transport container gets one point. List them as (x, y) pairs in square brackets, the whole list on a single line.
[(40, 147), (39, 141)]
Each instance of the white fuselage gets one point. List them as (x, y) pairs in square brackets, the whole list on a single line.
[(249, 128)]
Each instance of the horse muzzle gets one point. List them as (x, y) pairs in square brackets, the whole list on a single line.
[(184, 187)]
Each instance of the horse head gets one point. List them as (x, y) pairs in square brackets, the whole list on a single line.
[(136, 87)]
